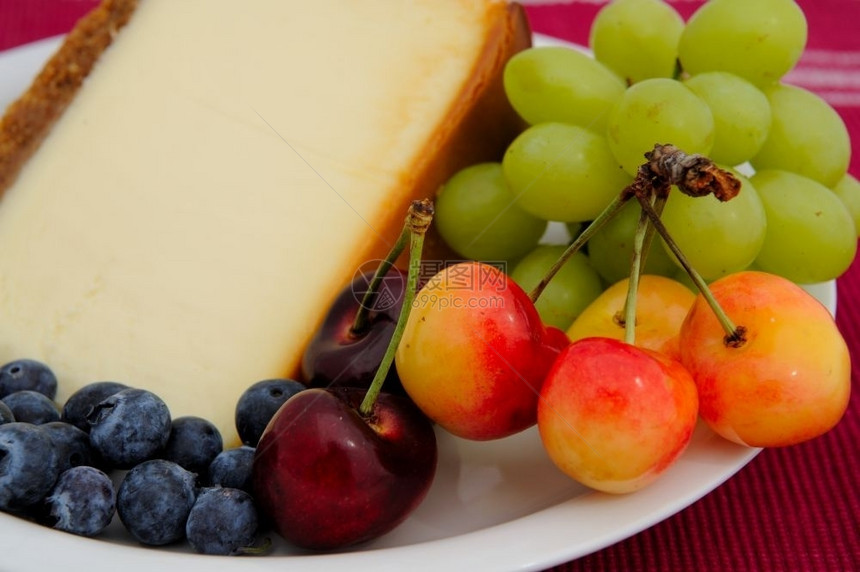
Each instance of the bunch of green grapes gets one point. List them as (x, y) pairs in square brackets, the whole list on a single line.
[(712, 85)]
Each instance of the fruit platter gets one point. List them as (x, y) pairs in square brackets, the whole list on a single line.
[(610, 316)]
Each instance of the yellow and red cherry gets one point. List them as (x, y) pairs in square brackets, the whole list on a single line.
[(555, 340), (788, 378), (614, 416), (661, 306), (474, 352)]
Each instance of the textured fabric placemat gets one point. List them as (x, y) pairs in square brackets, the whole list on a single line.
[(790, 509)]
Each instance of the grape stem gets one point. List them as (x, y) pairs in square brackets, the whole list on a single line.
[(361, 321), (417, 222)]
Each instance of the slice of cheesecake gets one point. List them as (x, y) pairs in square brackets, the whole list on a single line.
[(222, 172)]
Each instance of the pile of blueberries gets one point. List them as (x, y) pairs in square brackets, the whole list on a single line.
[(176, 480)]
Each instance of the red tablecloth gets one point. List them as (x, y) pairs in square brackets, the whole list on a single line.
[(794, 508)]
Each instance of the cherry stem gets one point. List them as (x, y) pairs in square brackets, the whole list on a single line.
[(694, 175), (605, 216), (636, 265), (417, 222), (734, 334), (360, 323), (659, 203), (641, 246)]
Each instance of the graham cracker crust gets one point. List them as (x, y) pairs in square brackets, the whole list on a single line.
[(29, 119)]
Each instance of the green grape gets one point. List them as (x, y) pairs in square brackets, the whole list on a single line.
[(848, 191), (611, 248), (562, 172), (807, 136), (569, 292), (758, 40), (658, 111), (477, 219), (637, 39), (684, 278), (741, 115), (810, 234), (717, 238), (554, 83)]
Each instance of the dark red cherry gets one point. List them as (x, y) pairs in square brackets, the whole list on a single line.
[(339, 356)]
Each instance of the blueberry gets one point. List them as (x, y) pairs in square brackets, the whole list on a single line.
[(73, 445), (33, 407), (27, 374), (80, 403), (259, 403), (129, 427), (232, 469), (193, 443), (223, 521), (82, 502), (154, 499), (6, 415), (28, 465)]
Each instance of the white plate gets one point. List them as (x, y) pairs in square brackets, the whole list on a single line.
[(493, 506)]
